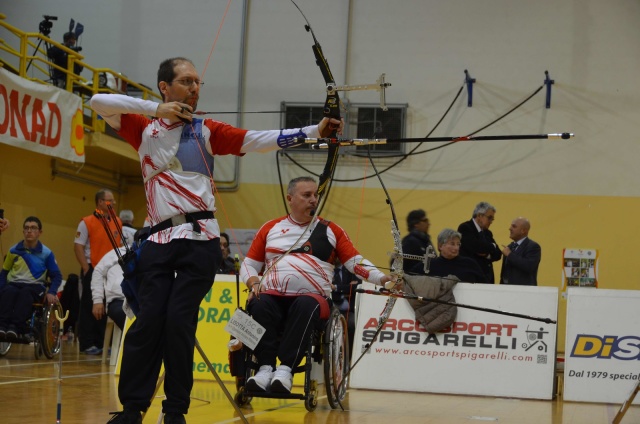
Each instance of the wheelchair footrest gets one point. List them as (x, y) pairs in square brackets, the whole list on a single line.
[(21, 339), (275, 395)]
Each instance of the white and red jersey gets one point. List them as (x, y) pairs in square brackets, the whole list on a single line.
[(308, 268), (177, 159)]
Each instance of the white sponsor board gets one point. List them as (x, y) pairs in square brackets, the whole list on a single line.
[(602, 349), (481, 353)]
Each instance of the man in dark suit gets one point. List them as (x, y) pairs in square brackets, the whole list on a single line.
[(521, 257), (477, 241)]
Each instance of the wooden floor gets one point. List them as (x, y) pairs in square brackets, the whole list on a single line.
[(29, 390)]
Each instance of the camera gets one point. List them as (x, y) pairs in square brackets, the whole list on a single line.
[(1, 213), (76, 48), (46, 24)]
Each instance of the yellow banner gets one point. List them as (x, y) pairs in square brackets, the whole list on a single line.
[(216, 309)]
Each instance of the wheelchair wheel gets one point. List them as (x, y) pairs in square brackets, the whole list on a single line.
[(311, 401), (4, 348), (246, 371), (336, 358), (241, 398), (49, 336)]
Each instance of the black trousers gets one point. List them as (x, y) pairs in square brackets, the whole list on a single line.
[(115, 312), (292, 316), (16, 305), (90, 330), (175, 278)]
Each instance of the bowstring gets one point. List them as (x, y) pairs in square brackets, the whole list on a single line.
[(214, 188)]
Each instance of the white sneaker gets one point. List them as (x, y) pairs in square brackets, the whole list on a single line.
[(282, 380), (262, 380)]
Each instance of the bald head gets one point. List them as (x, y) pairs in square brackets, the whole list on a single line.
[(519, 228)]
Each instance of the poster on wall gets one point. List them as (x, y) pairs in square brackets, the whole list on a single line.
[(580, 268)]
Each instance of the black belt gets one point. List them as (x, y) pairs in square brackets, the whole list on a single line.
[(174, 221)]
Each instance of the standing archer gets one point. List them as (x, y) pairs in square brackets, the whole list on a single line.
[(179, 262)]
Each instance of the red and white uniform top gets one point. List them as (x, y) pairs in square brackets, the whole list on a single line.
[(297, 272), (171, 187)]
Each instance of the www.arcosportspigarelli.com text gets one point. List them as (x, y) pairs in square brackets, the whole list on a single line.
[(469, 356)]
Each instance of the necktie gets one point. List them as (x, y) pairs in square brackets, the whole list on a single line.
[(513, 246), (337, 278)]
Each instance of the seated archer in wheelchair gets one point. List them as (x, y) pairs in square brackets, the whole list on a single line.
[(293, 299), (22, 282)]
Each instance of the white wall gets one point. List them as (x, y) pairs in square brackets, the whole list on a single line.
[(590, 48)]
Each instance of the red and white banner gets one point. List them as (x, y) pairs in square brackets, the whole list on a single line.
[(40, 118), (481, 353)]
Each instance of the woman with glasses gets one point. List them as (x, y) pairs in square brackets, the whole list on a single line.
[(451, 263)]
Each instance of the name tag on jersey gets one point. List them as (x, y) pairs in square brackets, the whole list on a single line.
[(244, 328)]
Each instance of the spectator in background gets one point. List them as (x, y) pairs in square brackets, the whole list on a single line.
[(521, 257), (59, 57), (4, 225), (70, 301), (128, 230), (90, 245), (22, 280), (106, 290), (227, 266), (418, 239), (477, 241), (451, 263)]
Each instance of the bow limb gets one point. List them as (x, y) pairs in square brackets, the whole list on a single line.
[(396, 269), (331, 110)]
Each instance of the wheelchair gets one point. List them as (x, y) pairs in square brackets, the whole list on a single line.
[(44, 331), (329, 347)]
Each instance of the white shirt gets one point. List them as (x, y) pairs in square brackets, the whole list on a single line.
[(176, 190), (106, 279)]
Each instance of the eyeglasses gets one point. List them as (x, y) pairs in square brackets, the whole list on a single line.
[(424, 220), (188, 82), (27, 228), (490, 217)]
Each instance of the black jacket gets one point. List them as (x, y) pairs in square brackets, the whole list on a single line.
[(414, 243), (481, 247)]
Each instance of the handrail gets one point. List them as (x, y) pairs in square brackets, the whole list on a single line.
[(100, 80)]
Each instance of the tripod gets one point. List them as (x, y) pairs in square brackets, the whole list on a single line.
[(35, 51)]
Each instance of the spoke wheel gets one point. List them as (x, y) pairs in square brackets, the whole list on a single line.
[(336, 359)]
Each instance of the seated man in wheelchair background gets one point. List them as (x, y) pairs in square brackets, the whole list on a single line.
[(22, 280), (293, 298)]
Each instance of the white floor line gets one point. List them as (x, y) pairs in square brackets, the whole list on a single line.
[(7, 383)]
